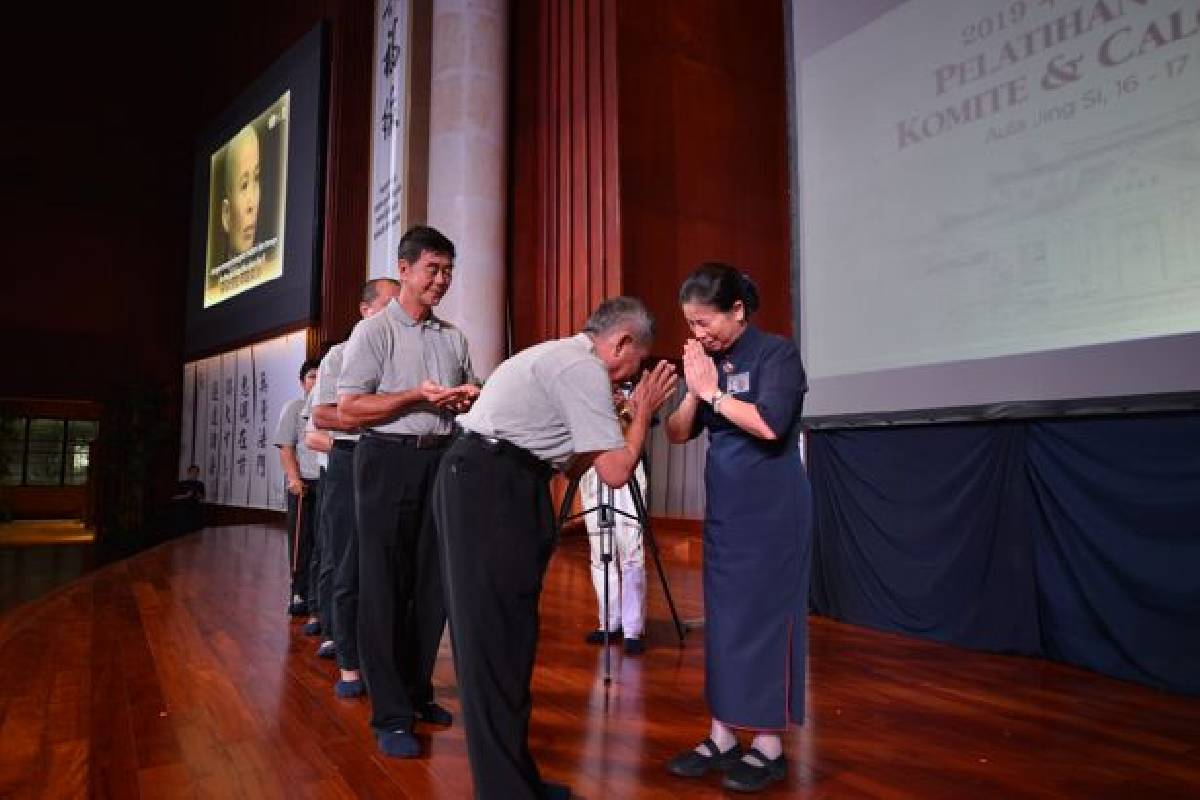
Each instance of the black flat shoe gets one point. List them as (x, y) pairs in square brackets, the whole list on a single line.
[(434, 714), (694, 765), (748, 777), (597, 636)]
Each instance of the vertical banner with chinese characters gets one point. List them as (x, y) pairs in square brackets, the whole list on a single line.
[(239, 397), (261, 431), (243, 423), (277, 370), (210, 402), (228, 406), (389, 136), (187, 420)]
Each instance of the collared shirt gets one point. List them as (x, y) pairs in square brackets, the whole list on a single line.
[(391, 352), (290, 433), (306, 416), (553, 399), (324, 391)]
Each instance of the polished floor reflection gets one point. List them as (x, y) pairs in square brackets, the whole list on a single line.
[(176, 674), (38, 556)]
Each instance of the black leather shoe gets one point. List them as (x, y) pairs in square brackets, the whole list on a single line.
[(635, 646), (691, 764), (748, 777), (434, 714), (597, 636)]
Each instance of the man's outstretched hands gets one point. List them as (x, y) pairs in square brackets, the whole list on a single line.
[(452, 398)]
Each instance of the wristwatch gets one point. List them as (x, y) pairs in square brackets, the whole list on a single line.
[(716, 399)]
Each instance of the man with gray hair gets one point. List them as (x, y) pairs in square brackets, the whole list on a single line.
[(548, 408), (406, 373)]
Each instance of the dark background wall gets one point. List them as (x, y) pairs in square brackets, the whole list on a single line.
[(103, 107), (645, 137)]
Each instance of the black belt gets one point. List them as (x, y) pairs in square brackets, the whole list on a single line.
[(515, 453), (426, 441), (344, 444)]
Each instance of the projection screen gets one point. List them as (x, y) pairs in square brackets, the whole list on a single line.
[(997, 206)]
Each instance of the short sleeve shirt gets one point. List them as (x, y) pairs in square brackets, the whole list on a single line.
[(306, 416), (324, 391), (553, 399), (391, 352), (290, 433)]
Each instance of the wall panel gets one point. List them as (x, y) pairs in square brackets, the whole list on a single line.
[(565, 241), (703, 151)]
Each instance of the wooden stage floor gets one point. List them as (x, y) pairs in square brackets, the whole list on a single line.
[(176, 674)]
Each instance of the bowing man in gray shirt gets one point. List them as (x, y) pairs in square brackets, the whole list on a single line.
[(405, 375), (548, 407)]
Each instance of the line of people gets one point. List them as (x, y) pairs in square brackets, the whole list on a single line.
[(433, 503)]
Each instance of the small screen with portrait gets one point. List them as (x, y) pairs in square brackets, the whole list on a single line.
[(246, 205)]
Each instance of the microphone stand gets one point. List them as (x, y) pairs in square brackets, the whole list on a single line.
[(607, 512)]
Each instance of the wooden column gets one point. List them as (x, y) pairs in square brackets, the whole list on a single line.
[(566, 239)]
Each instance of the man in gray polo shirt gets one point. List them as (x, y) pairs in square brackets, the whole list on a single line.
[(301, 476), (338, 574), (549, 407), (405, 375)]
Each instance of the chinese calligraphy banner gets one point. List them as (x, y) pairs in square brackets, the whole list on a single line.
[(189, 442), (389, 137), (229, 426)]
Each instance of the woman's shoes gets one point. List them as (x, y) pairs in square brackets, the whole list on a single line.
[(694, 765), (746, 776)]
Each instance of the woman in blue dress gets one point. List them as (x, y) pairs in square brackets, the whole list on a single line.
[(746, 387)]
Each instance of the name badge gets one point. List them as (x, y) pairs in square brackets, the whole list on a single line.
[(738, 383)]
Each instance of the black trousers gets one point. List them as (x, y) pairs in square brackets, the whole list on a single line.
[(302, 541), (339, 559), (401, 611), (318, 604), (496, 524)]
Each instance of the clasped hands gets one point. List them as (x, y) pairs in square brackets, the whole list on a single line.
[(452, 398), (699, 370), (653, 389)]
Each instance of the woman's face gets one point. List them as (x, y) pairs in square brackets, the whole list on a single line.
[(715, 330)]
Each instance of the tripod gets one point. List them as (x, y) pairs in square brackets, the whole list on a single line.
[(608, 512)]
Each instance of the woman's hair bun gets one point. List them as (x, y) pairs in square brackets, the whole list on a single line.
[(749, 293)]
